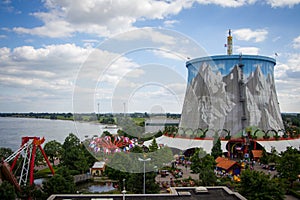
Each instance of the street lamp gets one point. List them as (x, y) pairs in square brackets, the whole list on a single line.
[(144, 160), (124, 191)]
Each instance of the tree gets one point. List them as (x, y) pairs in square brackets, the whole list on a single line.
[(71, 141), (7, 191), (273, 157), (81, 163), (39, 158), (216, 150), (5, 152), (204, 165), (136, 181), (75, 155), (258, 185), (53, 150), (31, 192), (289, 165), (264, 158), (61, 183), (153, 146), (196, 159)]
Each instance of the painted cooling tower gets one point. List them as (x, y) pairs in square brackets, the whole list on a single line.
[(231, 92)]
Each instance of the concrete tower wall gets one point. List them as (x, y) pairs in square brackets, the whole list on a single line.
[(231, 92)]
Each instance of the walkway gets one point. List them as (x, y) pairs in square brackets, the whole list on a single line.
[(186, 174), (82, 177)]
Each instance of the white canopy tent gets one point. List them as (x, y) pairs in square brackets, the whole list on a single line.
[(280, 145), (207, 144), (186, 143)]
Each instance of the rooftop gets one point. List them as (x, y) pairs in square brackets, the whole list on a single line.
[(176, 193), (257, 153), (225, 163), (99, 164)]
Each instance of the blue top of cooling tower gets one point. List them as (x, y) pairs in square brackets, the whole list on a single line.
[(225, 63), (231, 57)]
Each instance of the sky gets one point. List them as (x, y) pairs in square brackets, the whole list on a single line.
[(129, 56)]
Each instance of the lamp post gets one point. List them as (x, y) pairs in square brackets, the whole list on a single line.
[(98, 115), (144, 160), (124, 191)]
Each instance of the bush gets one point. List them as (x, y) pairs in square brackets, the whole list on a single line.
[(294, 193)]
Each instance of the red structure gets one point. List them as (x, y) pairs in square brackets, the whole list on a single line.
[(28, 149)]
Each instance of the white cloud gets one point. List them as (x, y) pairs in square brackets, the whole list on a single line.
[(280, 71), (296, 42), (53, 29), (149, 34), (170, 55), (283, 3), (50, 71), (227, 3), (247, 50), (287, 77), (247, 34), (103, 18), (106, 17), (276, 39), (170, 23)]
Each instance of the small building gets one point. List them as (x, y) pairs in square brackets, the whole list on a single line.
[(98, 168), (227, 165), (256, 154)]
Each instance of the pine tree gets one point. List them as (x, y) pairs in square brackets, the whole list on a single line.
[(153, 146), (216, 151)]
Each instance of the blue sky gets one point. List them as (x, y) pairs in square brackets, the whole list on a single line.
[(66, 56)]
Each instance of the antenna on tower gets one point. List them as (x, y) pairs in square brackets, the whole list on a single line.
[(229, 43)]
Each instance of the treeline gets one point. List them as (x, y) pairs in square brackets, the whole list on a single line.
[(66, 116), (290, 119)]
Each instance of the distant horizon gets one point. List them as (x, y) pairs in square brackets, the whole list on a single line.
[(108, 113)]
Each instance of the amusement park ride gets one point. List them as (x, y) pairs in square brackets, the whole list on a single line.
[(28, 150)]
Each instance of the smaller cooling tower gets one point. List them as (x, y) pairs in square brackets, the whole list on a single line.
[(231, 92)]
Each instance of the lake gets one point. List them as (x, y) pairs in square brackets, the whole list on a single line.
[(13, 129)]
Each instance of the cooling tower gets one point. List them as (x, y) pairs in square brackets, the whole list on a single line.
[(231, 92)]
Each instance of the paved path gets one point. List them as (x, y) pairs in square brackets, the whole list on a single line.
[(82, 177), (186, 174)]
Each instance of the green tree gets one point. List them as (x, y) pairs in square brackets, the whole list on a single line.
[(264, 158), (39, 158), (61, 183), (196, 159), (7, 191), (81, 163), (204, 165), (53, 150), (5, 152), (153, 146), (136, 181), (289, 165), (257, 185), (71, 141), (273, 157), (31, 192), (75, 156), (216, 150)]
